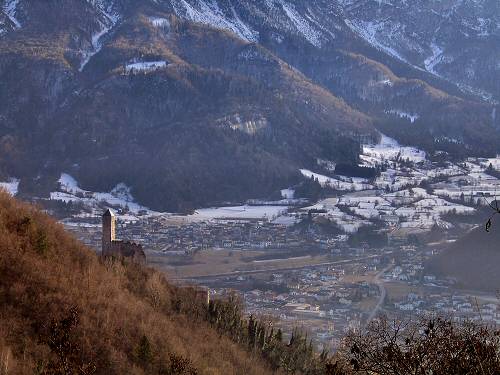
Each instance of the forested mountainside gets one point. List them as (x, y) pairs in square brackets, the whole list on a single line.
[(192, 103), (455, 40)]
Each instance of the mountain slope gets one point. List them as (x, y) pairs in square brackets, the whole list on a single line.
[(472, 261), (456, 40), (63, 308), (183, 134), (195, 102)]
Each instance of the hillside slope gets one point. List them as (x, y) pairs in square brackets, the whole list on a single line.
[(473, 260), (192, 102), (62, 310), (185, 114)]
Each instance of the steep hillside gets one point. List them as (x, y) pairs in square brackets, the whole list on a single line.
[(64, 311), (194, 102), (185, 114), (455, 40), (472, 261)]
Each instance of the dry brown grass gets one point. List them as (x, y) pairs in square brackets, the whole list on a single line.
[(45, 274)]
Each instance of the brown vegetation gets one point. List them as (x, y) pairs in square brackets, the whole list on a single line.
[(64, 311), (430, 346)]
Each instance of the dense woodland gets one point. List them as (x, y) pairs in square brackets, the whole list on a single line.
[(427, 134)]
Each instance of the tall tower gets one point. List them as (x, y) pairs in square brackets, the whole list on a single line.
[(108, 230)]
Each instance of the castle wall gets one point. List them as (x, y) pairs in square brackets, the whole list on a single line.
[(127, 250), (113, 247)]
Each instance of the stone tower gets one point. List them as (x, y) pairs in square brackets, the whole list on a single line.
[(108, 231)]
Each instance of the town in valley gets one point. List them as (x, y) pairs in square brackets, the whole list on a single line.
[(328, 265)]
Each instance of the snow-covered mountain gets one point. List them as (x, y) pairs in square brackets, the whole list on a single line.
[(455, 40), (458, 40), (250, 90)]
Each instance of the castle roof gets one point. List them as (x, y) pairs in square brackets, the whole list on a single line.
[(108, 212)]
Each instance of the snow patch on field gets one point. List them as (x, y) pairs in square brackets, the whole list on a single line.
[(120, 196), (287, 193), (209, 13), (11, 186), (145, 66), (338, 183), (389, 150), (239, 212)]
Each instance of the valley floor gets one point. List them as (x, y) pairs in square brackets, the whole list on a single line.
[(285, 264)]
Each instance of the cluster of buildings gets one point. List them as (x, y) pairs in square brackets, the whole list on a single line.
[(166, 238), (459, 306), (330, 301), (411, 197), (327, 301)]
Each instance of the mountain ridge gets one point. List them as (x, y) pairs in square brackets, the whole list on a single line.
[(239, 85)]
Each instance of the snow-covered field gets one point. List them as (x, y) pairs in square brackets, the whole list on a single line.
[(348, 223), (145, 66), (413, 208), (386, 151), (11, 186), (239, 212), (287, 193), (395, 196), (119, 197), (346, 184), (389, 149)]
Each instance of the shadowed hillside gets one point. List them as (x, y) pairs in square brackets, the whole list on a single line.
[(473, 260)]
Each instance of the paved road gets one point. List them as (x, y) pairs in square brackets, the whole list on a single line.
[(383, 292), (280, 269)]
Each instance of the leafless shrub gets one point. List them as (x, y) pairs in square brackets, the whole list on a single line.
[(432, 345)]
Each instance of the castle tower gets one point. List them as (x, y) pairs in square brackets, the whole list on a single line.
[(108, 230)]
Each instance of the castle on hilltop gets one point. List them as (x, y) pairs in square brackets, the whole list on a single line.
[(113, 247)]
